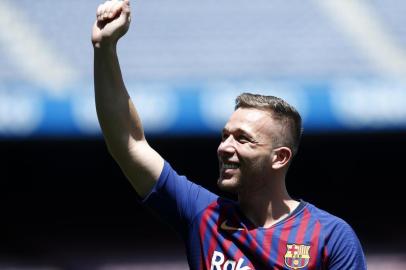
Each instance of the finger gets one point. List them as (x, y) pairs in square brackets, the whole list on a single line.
[(125, 10), (112, 9), (115, 10), (105, 10), (99, 12), (126, 6)]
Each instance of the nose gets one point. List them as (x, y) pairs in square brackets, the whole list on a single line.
[(226, 147)]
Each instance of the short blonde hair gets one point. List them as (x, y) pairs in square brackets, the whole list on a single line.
[(281, 111)]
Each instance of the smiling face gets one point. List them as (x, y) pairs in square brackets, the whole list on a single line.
[(246, 150)]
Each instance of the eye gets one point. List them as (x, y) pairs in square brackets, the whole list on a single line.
[(243, 139)]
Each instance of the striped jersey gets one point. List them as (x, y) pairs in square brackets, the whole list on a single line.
[(218, 236)]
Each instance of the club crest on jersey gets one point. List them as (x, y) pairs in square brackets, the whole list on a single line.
[(297, 256)]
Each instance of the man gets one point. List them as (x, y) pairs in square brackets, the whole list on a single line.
[(265, 228)]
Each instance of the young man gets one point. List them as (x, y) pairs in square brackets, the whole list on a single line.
[(265, 228)]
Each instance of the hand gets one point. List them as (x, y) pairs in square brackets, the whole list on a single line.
[(112, 22)]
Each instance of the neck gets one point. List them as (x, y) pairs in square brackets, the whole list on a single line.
[(267, 205)]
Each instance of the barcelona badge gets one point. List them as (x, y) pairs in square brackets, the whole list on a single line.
[(297, 256)]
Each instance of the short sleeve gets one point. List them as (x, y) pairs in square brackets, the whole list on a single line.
[(344, 251), (177, 200)]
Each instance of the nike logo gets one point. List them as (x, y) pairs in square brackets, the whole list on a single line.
[(225, 227)]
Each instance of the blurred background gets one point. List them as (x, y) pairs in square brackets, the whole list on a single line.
[(65, 203)]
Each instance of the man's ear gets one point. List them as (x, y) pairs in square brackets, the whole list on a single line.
[(281, 157)]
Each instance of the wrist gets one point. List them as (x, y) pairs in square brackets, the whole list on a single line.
[(104, 47)]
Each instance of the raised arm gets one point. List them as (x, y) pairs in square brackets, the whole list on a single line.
[(118, 117)]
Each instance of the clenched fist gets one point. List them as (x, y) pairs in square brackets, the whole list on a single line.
[(112, 22)]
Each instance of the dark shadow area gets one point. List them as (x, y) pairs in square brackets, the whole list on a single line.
[(61, 198)]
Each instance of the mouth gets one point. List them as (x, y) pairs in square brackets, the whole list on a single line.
[(227, 166), (228, 171), (230, 166)]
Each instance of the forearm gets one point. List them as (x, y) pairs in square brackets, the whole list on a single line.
[(118, 118), (117, 115)]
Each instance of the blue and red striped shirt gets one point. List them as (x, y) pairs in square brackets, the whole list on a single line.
[(218, 235)]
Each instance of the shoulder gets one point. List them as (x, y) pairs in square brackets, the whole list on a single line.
[(175, 197), (339, 240), (325, 218), (178, 185), (333, 229)]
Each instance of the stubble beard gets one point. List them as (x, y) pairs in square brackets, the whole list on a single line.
[(231, 185)]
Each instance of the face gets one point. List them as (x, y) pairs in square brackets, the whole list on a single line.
[(245, 152)]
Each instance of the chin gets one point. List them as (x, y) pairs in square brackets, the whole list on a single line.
[(228, 185)]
